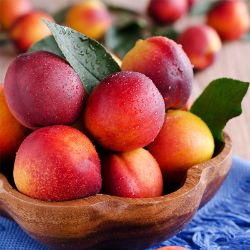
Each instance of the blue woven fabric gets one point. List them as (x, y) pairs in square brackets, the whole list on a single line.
[(223, 224)]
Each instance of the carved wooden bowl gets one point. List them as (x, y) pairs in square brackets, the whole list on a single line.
[(108, 222)]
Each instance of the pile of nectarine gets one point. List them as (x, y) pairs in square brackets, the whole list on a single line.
[(135, 134), (225, 20), (23, 23)]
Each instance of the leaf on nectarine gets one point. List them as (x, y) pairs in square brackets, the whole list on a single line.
[(220, 102), (47, 44), (91, 61)]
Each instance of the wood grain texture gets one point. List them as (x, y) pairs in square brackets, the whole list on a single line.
[(232, 62), (109, 222)]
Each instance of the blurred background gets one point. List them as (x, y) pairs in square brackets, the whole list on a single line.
[(230, 57)]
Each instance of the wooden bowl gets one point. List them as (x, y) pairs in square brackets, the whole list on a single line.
[(108, 222)]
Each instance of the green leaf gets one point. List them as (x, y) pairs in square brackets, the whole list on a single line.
[(60, 16), (117, 9), (220, 102), (168, 32), (89, 58), (121, 39), (201, 8), (122, 16), (129, 27), (47, 44)]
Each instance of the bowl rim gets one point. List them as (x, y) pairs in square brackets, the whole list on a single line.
[(8, 191)]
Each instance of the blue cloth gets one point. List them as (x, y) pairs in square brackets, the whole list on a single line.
[(224, 223)]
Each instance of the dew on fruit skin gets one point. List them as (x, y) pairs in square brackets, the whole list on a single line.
[(136, 127)]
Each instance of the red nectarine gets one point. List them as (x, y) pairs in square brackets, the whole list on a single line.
[(134, 174), (42, 89), (167, 11), (166, 64), (57, 163), (124, 112), (230, 18), (202, 44)]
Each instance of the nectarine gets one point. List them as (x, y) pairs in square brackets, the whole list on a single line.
[(166, 64), (134, 174), (230, 18), (29, 29), (124, 112), (11, 10), (167, 11), (89, 17), (184, 140), (12, 132), (202, 45), (57, 163), (172, 248), (42, 89)]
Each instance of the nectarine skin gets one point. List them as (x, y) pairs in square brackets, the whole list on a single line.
[(202, 45), (166, 64), (134, 174), (12, 132), (124, 112), (29, 29), (184, 140), (11, 10), (42, 89), (89, 17), (230, 18), (167, 11), (57, 163), (172, 248)]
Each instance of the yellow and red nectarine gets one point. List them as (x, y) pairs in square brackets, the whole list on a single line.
[(29, 29), (11, 10), (133, 174), (230, 18), (90, 18), (57, 163), (12, 132), (184, 140)]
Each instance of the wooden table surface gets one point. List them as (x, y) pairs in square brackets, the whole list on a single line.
[(234, 61)]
